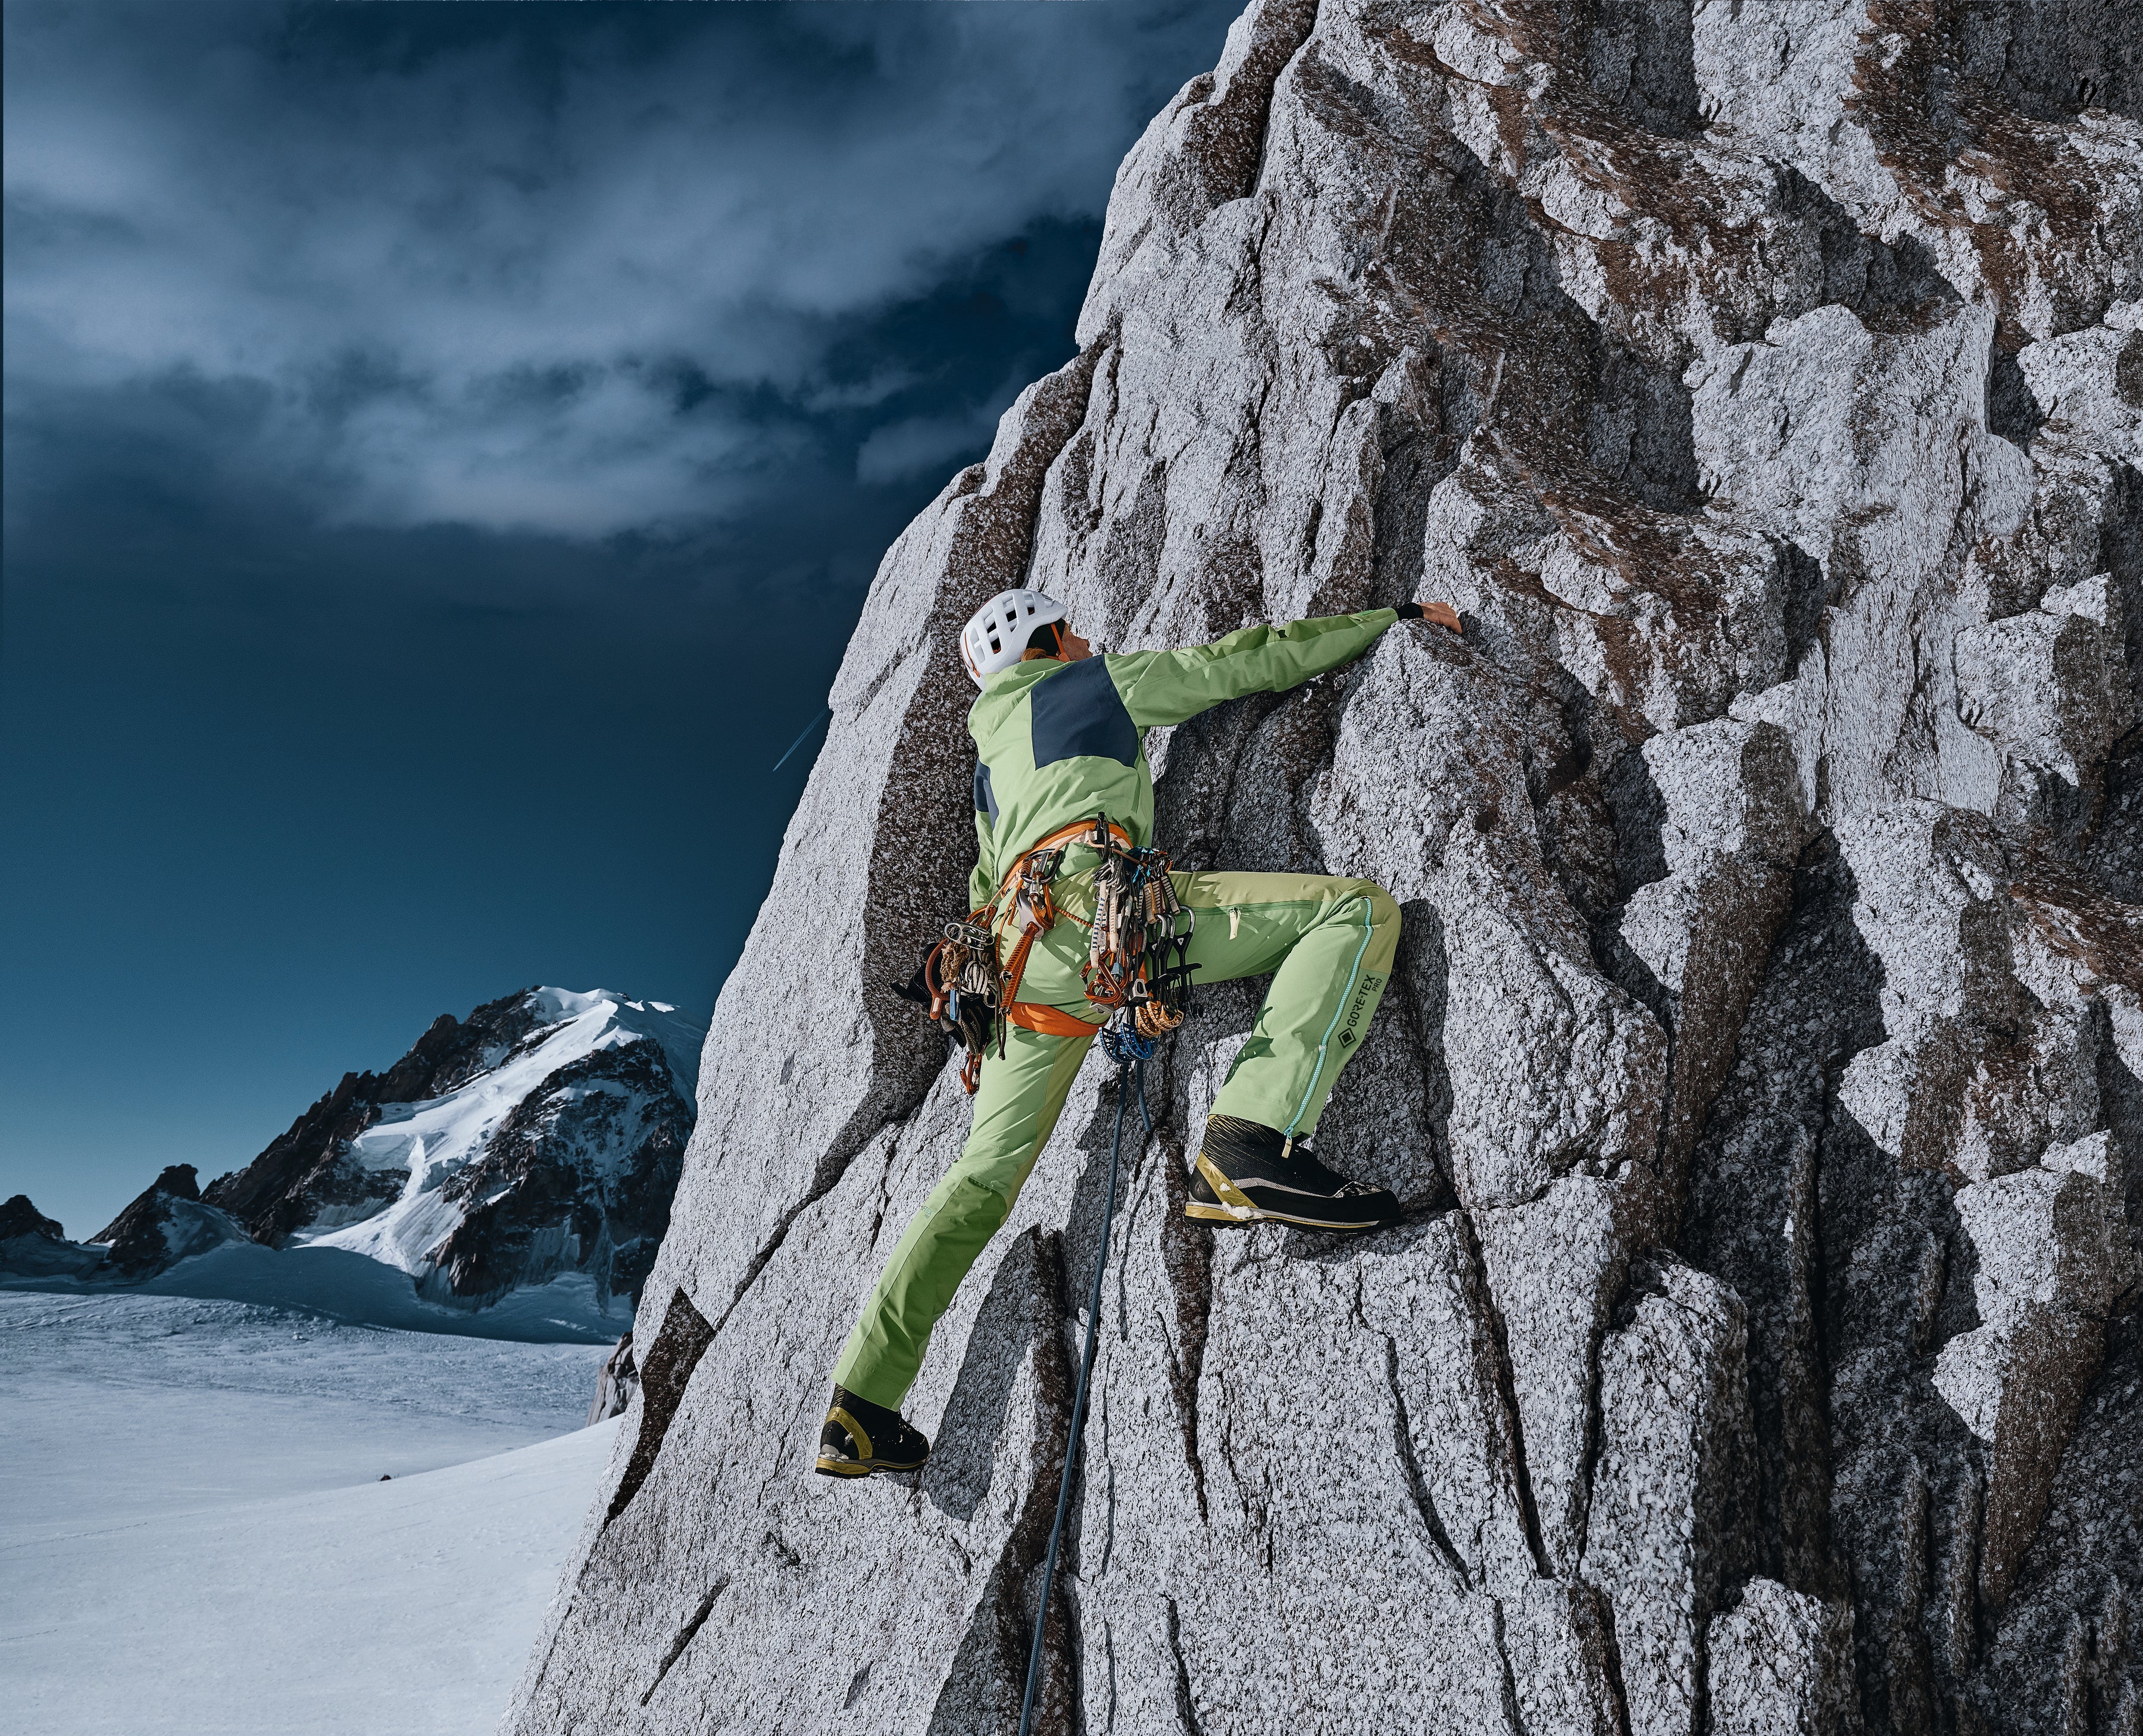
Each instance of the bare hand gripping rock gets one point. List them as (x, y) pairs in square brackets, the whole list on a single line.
[(1753, 1074)]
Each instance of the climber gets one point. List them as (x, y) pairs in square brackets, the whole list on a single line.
[(1059, 731)]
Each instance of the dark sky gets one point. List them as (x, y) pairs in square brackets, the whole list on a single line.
[(446, 447)]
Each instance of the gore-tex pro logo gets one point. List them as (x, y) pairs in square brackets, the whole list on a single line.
[(1355, 1008)]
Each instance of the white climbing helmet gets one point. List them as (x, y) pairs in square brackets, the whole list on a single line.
[(996, 637)]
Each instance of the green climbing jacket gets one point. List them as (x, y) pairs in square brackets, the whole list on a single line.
[(1057, 743)]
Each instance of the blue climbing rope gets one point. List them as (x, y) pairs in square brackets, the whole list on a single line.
[(1129, 1051)]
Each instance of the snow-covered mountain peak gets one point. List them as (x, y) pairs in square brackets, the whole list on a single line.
[(605, 1015), (550, 1144), (542, 1135), (595, 1084)]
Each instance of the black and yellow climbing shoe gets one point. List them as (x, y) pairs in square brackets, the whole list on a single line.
[(1247, 1173), (860, 1438)]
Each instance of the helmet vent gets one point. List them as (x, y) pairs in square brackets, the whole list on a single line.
[(1006, 625)]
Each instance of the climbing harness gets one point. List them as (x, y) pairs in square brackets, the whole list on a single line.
[(1124, 1044), (1137, 943)]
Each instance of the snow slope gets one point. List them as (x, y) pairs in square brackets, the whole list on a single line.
[(340, 1287), (397, 1609), (195, 1538)]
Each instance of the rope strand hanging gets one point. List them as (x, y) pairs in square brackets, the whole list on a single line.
[(1129, 1051)]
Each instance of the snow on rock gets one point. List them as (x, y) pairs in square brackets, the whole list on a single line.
[(167, 1222), (35, 1246), (1761, 1067), (535, 1143), (615, 1383), (553, 1148), (541, 1135)]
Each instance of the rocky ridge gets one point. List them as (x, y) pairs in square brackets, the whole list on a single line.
[(20, 1217), (542, 1135), (1763, 1069), (36, 1246), (164, 1224)]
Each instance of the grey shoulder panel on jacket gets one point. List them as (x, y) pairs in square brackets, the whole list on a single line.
[(1077, 713)]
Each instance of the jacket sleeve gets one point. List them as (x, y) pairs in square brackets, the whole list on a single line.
[(1166, 687)]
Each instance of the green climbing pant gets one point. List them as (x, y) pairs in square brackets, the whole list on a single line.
[(1328, 943)]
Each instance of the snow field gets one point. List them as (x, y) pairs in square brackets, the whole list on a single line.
[(195, 1540)]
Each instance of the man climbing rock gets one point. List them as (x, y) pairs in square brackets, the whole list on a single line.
[(1059, 735)]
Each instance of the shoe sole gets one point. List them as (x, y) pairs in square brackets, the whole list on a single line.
[(855, 1467), (1233, 1206), (1224, 1214)]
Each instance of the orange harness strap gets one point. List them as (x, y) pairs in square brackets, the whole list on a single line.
[(1015, 968), (1048, 1020), (1040, 922), (1028, 1015)]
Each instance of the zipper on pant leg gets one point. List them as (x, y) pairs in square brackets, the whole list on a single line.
[(1354, 970)]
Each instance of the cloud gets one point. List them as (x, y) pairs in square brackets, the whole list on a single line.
[(916, 443), (577, 275)]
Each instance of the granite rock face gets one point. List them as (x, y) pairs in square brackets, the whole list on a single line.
[(1763, 1066)]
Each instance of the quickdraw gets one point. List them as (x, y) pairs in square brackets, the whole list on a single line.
[(1135, 967), (960, 981), (1138, 943)]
